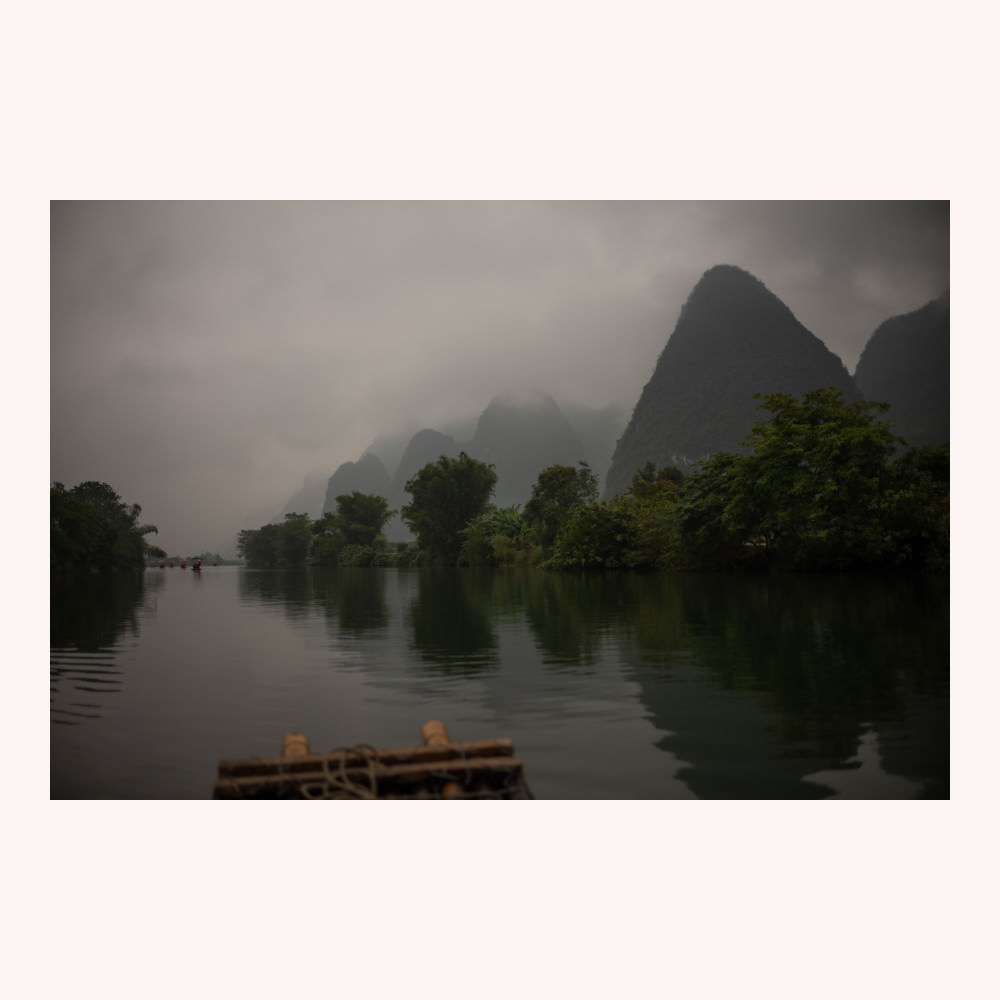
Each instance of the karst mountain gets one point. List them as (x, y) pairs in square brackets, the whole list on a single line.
[(733, 338), (907, 363)]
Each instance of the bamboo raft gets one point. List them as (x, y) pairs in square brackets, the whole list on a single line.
[(437, 769)]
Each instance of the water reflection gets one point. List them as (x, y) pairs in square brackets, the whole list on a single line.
[(863, 776), (356, 597), (613, 685), (294, 592), (756, 683), (352, 597), (449, 621), (88, 617), (782, 674), (570, 616)]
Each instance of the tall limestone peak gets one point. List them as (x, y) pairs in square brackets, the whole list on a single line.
[(366, 475), (308, 500), (425, 446), (734, 338), (907, 364)]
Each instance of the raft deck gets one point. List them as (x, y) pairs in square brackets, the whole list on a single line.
[(437, 769)]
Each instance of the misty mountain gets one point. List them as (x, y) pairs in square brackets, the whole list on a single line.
[(390, 447), (733, 338), (309, 500), (425, 446), (906, 363), (598, 431), (366, 475), (521, 435)]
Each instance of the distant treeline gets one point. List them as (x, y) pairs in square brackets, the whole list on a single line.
[(206, 558), (825, 484), (93, 530)]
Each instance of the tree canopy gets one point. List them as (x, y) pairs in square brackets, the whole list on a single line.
[(447, 494), (92, 528), (558, 489), (821, 487)]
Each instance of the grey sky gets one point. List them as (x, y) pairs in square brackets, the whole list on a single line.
[(206, 357)]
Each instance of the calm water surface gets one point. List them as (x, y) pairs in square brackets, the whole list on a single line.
[(612, 686)]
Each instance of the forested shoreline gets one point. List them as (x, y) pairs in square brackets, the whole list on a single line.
[(823, 485), (92, 529)]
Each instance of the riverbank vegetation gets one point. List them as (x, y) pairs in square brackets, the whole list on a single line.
[(822, 485), (93, 530)]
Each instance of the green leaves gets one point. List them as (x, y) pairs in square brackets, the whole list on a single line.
[(820, 489), (447, 494), (92, 528), (558, 490)]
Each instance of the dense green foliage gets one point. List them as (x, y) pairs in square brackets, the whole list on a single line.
[(499, 537), (558, 490), (447, 494), (360, 517), (348, 536), (351, 534), (636, 530), (823, 484), (92, 528), (284, 544)]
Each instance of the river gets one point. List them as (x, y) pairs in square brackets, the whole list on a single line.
[(612, 686)]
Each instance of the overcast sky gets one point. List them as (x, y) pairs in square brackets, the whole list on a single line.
[(206, 357)]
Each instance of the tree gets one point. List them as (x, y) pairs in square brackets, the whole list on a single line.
[(259, 546), (557, 491), (327, 541), (921, 516), (819, 489), (91, 527), (360, 517), (636, 530), (447, 494), (499, 537), (293, 539)]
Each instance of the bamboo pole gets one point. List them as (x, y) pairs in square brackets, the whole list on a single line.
[(434, 734), (295, 745)]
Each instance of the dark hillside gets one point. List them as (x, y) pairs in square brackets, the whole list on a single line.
[(425, 446), (367, 475), (906, 363), (308, 500), (734, 338)]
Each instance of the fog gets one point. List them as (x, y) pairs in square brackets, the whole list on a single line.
[(207, 357)]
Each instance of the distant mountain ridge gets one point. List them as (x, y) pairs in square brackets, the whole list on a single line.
[(733, 338), (520, 434), (907, 363)]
